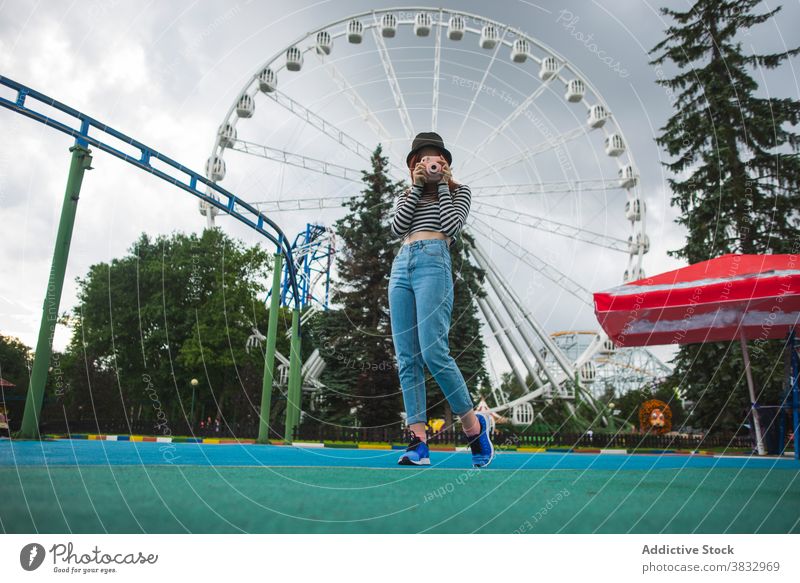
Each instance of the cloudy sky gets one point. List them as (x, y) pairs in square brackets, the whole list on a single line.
[(167, 74)]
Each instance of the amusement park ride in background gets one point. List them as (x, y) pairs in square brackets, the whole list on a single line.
[(87, 132), (577, 366), (573, 366)]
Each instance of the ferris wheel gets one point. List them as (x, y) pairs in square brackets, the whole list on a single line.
[(541, 149)]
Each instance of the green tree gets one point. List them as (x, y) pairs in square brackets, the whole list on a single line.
[(356, 340), (172, 309), (16, 358), (510, 387), (736, 180), (15, 361)]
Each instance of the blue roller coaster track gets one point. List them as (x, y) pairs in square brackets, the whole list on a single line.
[(88, 131), (230, 203)]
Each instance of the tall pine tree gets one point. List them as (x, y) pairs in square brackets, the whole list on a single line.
[(355, 341), (736, 180)]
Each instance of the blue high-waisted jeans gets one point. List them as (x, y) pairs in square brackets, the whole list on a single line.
[(420, 305)]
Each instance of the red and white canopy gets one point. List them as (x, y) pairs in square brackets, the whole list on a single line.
[(705, 302)]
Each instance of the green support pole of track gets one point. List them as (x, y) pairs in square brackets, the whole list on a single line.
[(81, 161), (293, 393), (269, 355)]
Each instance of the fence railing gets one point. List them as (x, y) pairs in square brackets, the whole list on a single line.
[(509, 437), (248, 429)]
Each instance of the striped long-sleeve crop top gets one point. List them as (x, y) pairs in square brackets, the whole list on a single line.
[(446, 215)]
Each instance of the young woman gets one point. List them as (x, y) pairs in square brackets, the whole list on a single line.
[(428, 216)]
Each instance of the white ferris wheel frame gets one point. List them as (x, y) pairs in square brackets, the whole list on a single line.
[(537, 52)]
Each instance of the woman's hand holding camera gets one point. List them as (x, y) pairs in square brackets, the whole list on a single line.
[(419, 174), (446, 173)]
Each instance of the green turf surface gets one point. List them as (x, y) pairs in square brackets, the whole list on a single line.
[(167, 499)]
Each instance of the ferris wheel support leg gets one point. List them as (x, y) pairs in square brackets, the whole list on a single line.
[(488, 315), (81, 161), (269, 354), (499, 289), (294, 393), (561, 360)]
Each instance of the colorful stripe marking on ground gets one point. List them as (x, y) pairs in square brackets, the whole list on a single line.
[(379, 446)]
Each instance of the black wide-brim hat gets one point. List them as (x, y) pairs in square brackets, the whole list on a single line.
[(429, 139)]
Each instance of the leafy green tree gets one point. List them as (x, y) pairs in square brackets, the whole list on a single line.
[(736, 180), (511, 388), (16, 359), (356, 340), (172, 309)]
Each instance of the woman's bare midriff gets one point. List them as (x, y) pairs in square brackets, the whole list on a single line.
[(420, 235)]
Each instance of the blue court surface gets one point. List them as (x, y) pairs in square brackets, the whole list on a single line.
[(90, 452), (87, 486)]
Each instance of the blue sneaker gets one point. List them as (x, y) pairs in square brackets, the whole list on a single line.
[(416, 454), (481, 444)]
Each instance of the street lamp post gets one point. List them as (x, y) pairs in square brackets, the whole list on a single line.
[(611, 426), (194, 383)]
